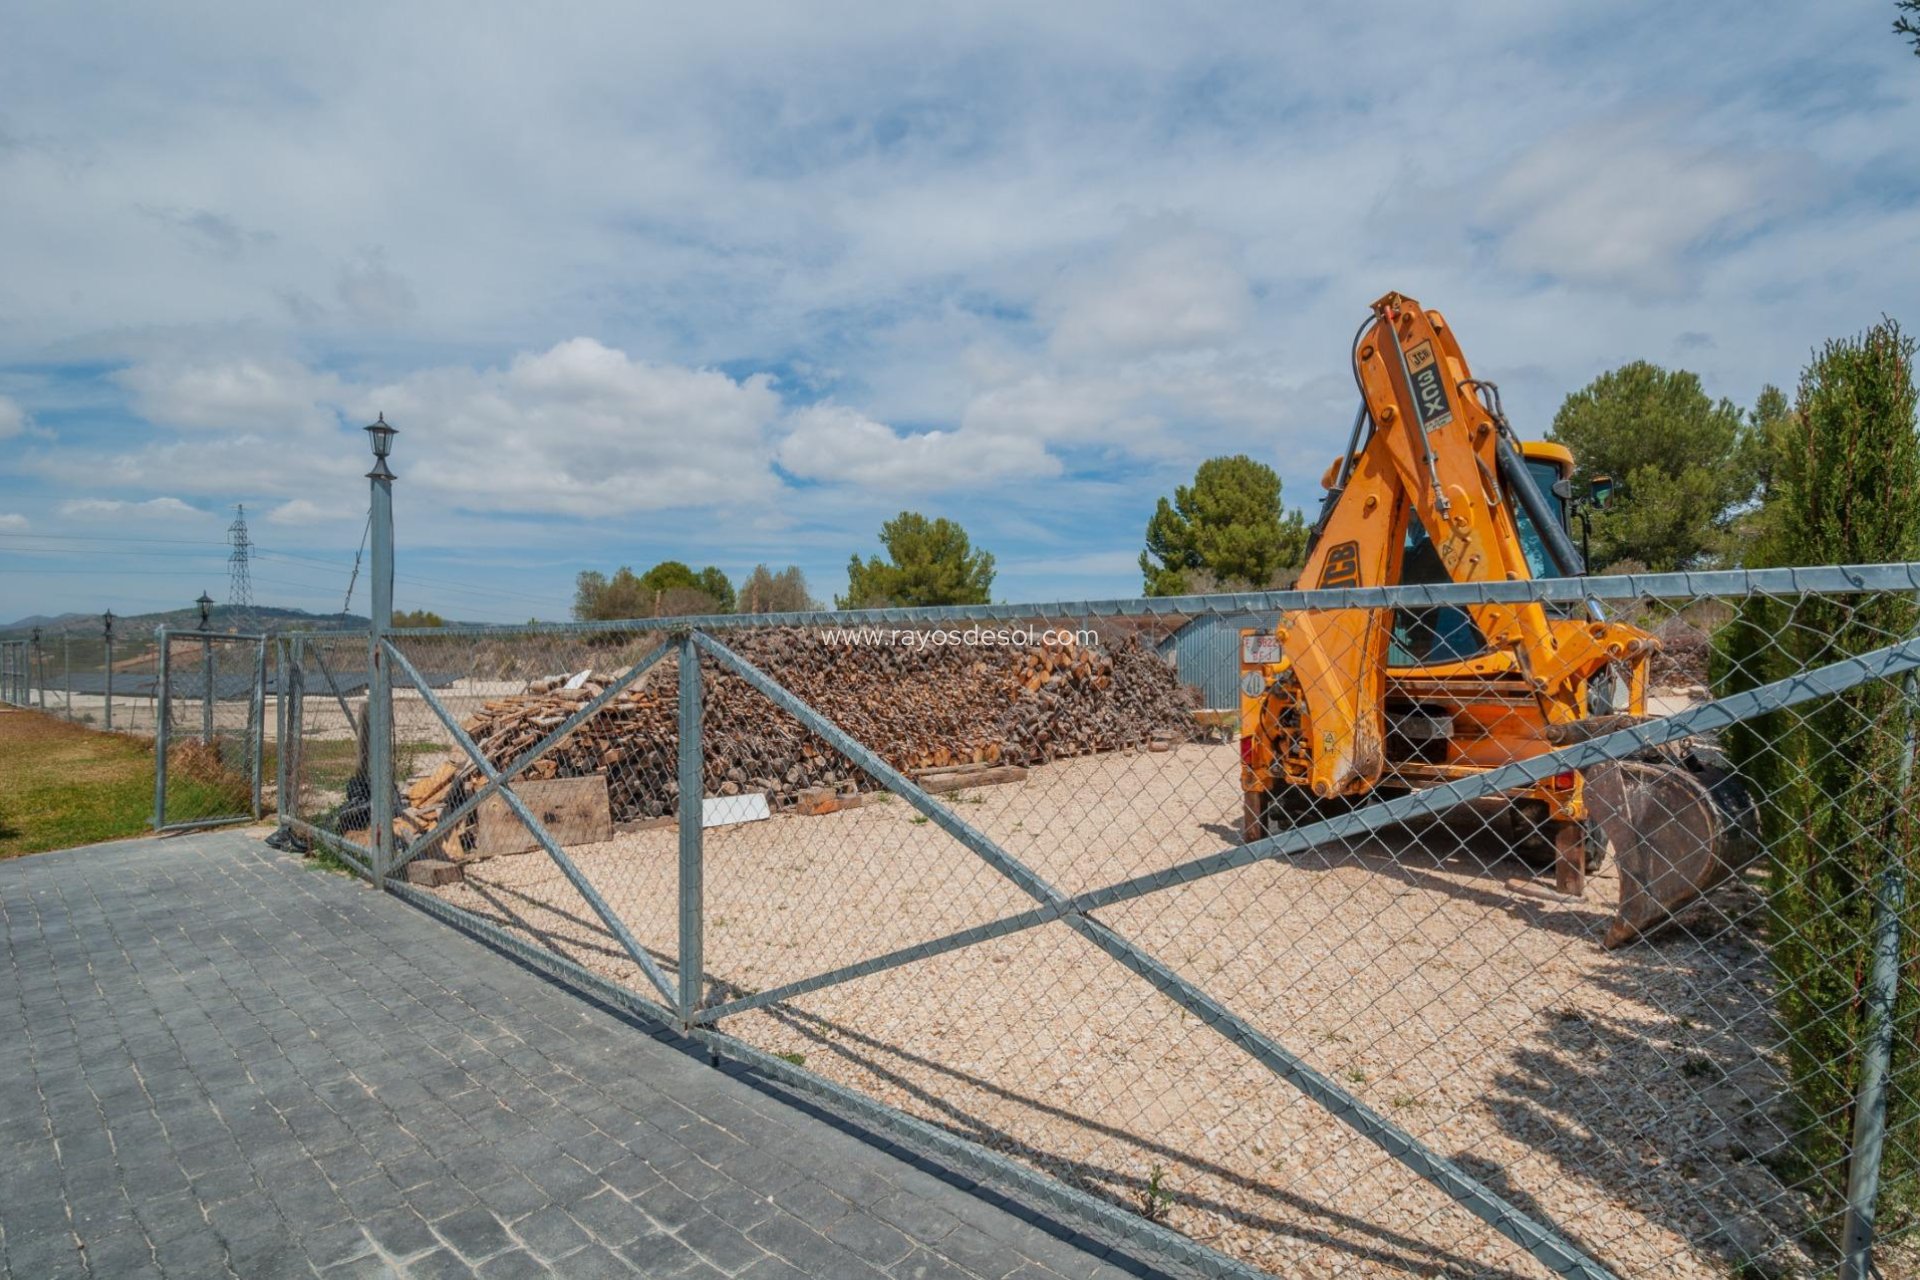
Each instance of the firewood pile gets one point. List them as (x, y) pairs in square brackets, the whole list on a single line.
[(919, 708)]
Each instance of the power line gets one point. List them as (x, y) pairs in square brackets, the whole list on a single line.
[(113, 537), (355, 576)]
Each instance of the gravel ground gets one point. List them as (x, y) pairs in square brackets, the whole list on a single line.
[(1628, 1096)]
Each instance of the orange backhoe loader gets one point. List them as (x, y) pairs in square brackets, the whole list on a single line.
[(1338, 703)]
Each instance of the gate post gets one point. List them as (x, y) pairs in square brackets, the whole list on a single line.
[(1876, 1058), (257, 722), (380, 683), (279, 732), (107, 636), (294, 691), (692, 871), (162, 721)]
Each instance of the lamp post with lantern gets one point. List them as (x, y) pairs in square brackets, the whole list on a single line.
[(206, 664), (106, 633), (380, 685)]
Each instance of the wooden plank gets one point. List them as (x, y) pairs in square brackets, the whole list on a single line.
[(573, 810), (959, 780)]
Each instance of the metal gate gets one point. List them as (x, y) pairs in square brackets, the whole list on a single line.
[(210, 729), (1356, 1036)]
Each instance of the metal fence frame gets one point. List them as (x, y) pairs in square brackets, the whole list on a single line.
[(683, 1004), (16, 672), (256, 723)]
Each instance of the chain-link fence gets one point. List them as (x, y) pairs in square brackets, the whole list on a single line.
[(86, 677), (211, 731), (16, 672), (1531, 928)]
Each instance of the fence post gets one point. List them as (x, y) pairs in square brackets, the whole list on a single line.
[(107, 638), (692, 789), (279, 731), (162, 722), (257, 722), (40, 668), (380, 683), (1870, 1097), (295, 693), (1876, 1058), (206, 687), (66, 671)]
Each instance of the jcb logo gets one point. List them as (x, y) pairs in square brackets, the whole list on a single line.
[(1429, 388), (1343, 566)]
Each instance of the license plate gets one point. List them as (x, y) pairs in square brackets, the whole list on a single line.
[(1259, 651)]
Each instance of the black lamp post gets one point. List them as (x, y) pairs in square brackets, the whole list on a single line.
[(107, 633), (206, 668), (380, 435)]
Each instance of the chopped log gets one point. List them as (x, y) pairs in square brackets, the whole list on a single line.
[(425, 791)]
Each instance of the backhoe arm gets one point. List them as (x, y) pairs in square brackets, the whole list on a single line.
[(1432, 456)]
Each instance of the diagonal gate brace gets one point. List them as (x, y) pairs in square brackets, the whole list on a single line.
[(452, 816), (1543, 1242), (540, 834)]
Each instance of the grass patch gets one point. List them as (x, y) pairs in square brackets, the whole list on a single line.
[(67, 785)]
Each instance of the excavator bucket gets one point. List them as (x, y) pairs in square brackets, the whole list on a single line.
[(1677, 826)]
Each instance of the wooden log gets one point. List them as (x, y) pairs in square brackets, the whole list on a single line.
[(961, 779)]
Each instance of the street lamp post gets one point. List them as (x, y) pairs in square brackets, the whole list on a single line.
[(380, 685), (206, 662), (107, 634)]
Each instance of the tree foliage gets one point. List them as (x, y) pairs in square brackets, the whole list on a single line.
[(1906, 24), (417, 618), (668, 590), (1680, 464), (597, 597), (1226, 531), (928, 562), (765, 591), (1835, 781)]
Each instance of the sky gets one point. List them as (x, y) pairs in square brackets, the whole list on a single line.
[(736, 283)]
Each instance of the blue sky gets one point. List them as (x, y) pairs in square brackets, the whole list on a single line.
[(736, 285)]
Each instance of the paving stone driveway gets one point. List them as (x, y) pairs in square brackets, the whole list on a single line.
[(217, 1061)]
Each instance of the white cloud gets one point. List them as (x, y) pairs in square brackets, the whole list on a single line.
[(373, 292), (1165, 286), (304, 512), (836, 444), (13, 419), (1131, 238), (584, 429), (1625, 203), (12, 520), (122, 509), (270, 396)]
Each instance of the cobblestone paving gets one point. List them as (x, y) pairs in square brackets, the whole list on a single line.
[(216, 1061)]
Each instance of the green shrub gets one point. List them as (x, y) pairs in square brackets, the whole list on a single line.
[(1835, 778)]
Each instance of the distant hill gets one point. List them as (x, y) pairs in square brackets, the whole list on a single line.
[(141, 626)]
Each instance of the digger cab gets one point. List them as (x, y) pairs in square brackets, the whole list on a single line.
[(1447, 633)]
